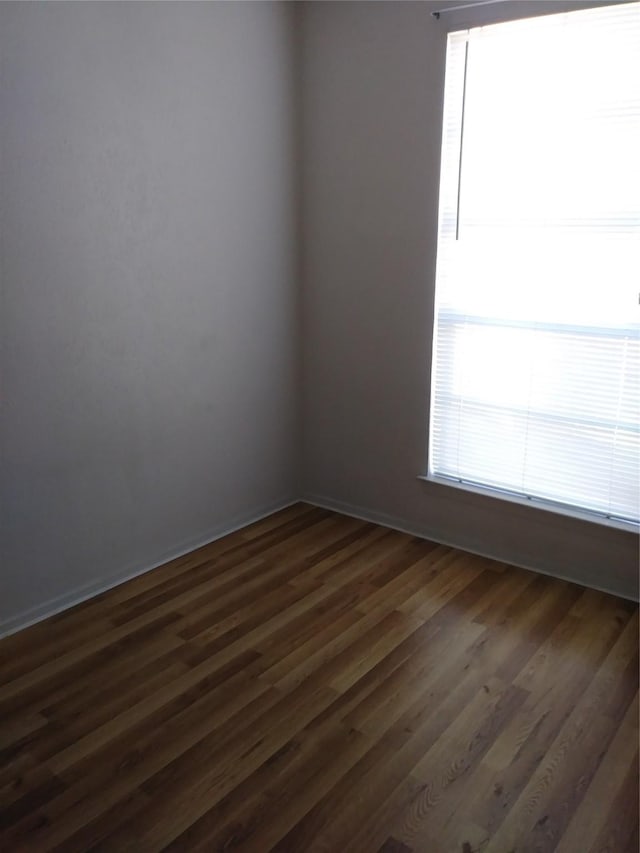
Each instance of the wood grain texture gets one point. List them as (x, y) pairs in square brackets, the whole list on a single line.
[(318, 683)]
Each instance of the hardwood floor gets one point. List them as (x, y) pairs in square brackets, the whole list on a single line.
[(318, 683)]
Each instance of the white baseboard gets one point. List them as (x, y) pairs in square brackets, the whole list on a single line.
[(86, 591), (399, 524), (83, 593)]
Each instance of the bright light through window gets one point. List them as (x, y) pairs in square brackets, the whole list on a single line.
[(536, 377)]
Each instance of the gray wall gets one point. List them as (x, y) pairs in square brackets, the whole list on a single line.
[(372, 81), (151, 229), (149, 312)]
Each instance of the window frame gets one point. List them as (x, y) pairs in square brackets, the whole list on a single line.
[(501, 11), (487, 14)]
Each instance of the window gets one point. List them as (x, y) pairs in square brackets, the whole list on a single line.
[(536, 359)]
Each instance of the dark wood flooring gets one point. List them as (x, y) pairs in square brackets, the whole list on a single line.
[(318, 683)]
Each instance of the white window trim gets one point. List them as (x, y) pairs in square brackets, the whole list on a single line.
[(532, 503), (485, 15), (506, 10)]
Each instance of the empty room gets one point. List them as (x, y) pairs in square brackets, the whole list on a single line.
[(320, 426)]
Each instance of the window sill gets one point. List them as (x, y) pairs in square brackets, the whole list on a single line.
[(535, 503)]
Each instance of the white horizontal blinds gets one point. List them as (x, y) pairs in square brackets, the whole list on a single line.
[(536, 379)]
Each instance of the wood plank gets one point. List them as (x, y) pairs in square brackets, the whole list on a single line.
[(432, 789), (48, 633), (315, 682), (571, 761), (617, 768)]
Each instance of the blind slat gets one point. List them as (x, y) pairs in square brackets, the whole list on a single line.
[(536, 360)]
